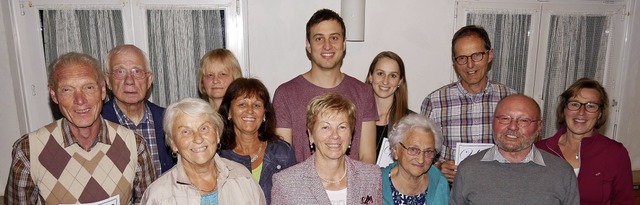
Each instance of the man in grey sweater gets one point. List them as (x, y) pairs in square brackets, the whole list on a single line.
[(514, 171)]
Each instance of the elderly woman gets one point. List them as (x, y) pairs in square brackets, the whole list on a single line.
[(601, 164), (249, 132), (218, 68), (387, 78), (412, 178), (328, 176), (193, 130)]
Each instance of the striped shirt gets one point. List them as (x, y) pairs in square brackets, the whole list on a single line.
[(464, 117), (146, 129)]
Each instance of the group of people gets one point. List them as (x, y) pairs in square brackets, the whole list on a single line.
[(318, 141)]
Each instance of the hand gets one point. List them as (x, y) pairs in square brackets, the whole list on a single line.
[(448, 168)]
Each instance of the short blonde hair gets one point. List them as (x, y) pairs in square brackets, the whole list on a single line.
[(330, 103)]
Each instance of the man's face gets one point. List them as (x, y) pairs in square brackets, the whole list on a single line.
[(326, 45), (513, 137), (472, 73), (128, 89), (79, 94)]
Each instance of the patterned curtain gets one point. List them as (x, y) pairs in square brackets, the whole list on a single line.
[(177, 41)]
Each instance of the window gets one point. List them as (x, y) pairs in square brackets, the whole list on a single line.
[(542, 48), (175, 35)]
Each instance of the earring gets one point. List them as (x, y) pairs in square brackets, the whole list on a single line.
[(229, 118), (312, 147), (349, 147), (264, 119)]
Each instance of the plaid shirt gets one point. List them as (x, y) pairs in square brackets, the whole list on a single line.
[(464, 117), (146, 129), (21, 189)]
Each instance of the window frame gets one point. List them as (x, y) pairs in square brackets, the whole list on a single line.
[(30, 51)]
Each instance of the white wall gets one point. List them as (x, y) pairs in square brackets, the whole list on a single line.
[(11, 125), (629, 123), (419, 31)]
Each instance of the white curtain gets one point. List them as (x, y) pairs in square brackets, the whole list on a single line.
[(577, 48), (508, 31), (93, 32), (177, 41)]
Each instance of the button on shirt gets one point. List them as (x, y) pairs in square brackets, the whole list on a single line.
[(146, 129), (464, 117)]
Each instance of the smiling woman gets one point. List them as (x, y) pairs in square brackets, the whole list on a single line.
[(193, 132)]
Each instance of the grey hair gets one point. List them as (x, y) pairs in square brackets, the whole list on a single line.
[(123, 49), (73, 58), (415, 121), (193, 107)]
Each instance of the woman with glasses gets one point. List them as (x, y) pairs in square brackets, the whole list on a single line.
[(328, 176), (412, 178), (387, 78), (602, 165)]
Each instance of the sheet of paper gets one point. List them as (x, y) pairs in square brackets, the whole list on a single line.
[(384, 157), (463, 150), (114, 200)]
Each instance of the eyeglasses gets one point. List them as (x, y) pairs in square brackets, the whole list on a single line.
[(521, 122), (588, 106), (136, 73), (414, 151), (475, 57)]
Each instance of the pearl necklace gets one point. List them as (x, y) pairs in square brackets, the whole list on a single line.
[(337, 181)]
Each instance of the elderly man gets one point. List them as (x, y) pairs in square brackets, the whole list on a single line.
[(326, 48), (514, 171), (80, 158), (464, 108), (129, 80)]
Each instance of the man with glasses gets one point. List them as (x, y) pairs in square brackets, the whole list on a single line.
[(129, 79), (464, 109), (514, 171)]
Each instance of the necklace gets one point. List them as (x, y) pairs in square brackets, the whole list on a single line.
[(337, 181), (255, 157)]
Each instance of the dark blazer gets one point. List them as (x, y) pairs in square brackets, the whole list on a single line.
[(157, 112), (301, 184), (277, 156)]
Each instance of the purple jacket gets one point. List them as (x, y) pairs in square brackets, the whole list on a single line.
[(605, 169), (300, 184)]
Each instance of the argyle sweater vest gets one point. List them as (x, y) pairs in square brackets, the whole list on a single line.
[(72, 175)]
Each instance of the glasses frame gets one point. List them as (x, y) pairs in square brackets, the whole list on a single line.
[(425, 153), (585, 105), (144, 73), (521, 122), (461, 60)]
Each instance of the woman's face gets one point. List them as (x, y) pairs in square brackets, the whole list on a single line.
[(385, 78), (217, 78), (582, 122), (195, 138), (247, 114), (415, 165), (331, 135)]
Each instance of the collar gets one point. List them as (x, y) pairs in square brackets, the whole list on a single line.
[(123, 119), (493, 154), (223, 171), (68, 139), (486, 89)]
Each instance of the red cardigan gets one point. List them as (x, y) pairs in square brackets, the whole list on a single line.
[(605, 169)]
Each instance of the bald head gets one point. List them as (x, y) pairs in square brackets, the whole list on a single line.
[(520, 100)]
